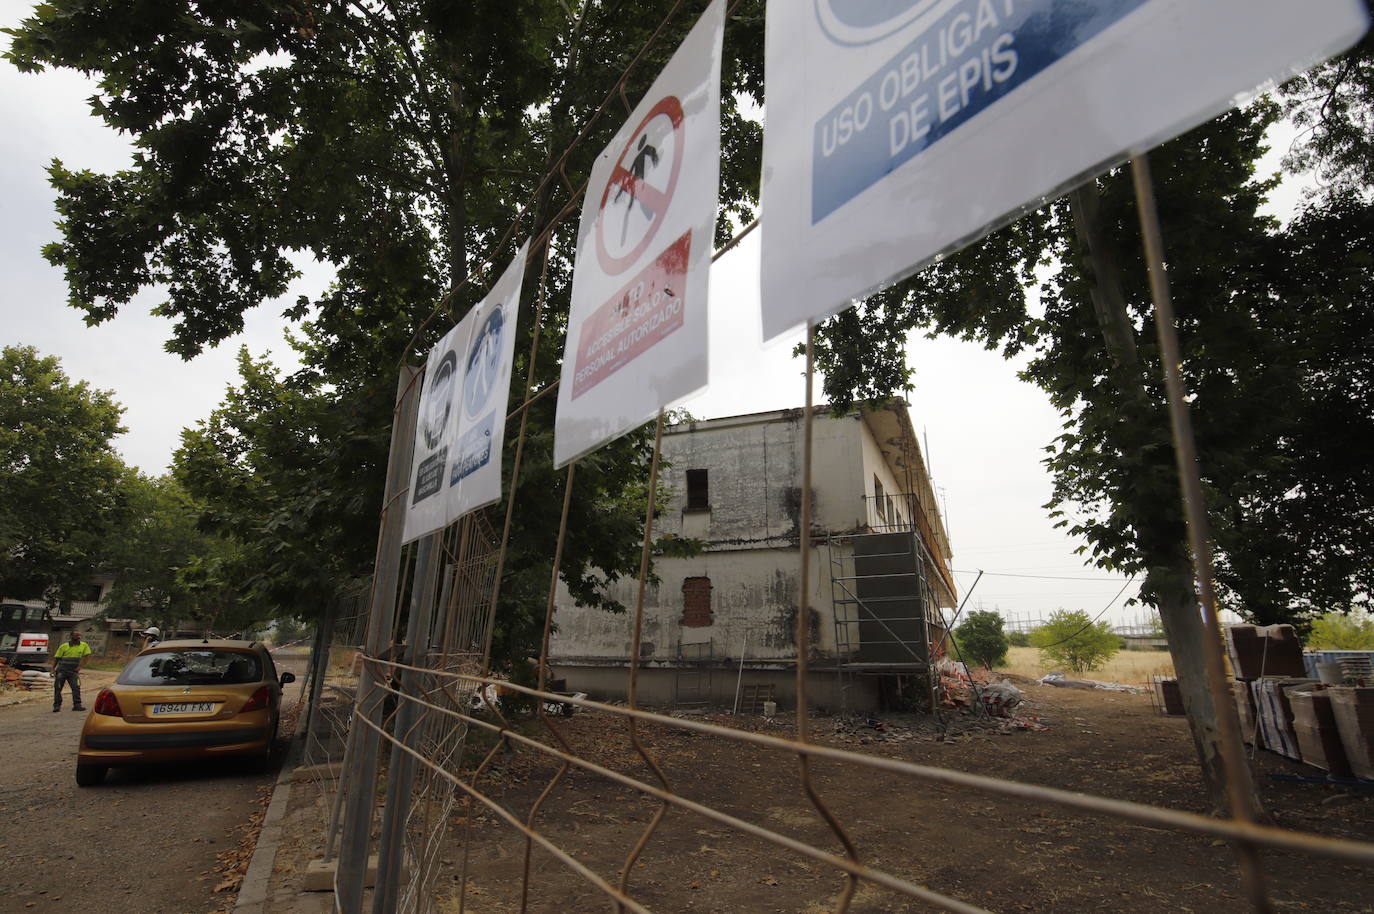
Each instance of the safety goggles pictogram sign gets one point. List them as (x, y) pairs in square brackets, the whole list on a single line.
[(640, 190)]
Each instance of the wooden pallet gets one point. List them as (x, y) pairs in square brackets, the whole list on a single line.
[(752, 697)]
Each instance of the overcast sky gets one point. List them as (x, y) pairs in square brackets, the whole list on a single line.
[(986, 429)]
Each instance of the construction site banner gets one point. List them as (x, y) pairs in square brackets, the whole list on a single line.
[(637, 327), (901, 130), (462, 421)]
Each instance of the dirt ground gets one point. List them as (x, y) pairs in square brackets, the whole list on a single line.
[(157, 840), (999, 854)]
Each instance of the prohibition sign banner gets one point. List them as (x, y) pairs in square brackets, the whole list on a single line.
[(644, 203), (637, 335)]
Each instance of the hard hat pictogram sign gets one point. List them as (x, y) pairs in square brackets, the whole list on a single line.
[(640, 187)]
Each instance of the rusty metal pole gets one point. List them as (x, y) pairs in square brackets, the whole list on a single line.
[(519, 457), (803, 632), (1239, 788), (632, 696), (543, 671)]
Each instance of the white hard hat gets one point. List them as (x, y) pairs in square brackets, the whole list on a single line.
[(151, 630)]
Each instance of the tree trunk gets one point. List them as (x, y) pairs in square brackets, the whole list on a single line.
[(1170, 576), (1181, 619)]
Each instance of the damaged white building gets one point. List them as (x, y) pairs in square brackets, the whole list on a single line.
[(719, 627)]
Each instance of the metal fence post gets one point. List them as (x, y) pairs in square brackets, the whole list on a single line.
[(360, 767), (401, 774), (319, 662)]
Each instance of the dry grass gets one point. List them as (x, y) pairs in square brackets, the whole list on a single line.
[(1134, 667)]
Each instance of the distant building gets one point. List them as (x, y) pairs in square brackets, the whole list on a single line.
[(879, 571), (101, 633)]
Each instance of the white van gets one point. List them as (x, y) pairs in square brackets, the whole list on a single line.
[(21, 649)]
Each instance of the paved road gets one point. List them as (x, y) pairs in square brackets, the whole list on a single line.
[(137, 844)]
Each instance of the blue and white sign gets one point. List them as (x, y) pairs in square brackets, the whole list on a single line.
[(900, 130), (462, 417)]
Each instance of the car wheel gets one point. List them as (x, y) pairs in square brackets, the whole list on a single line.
[(90, 775), (265, 760)]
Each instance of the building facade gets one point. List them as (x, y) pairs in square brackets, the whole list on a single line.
[(86, 615), (722, 624)]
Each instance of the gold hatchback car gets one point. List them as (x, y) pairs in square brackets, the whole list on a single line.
[(182, 700)]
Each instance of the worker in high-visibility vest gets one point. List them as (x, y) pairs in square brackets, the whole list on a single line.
[(67, 664)]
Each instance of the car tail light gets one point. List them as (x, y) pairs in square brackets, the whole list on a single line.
[(107, 704), (259, 700)]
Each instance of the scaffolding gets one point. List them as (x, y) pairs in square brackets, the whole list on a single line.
[(882, 607)]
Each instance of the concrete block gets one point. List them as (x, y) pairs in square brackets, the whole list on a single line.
[(316, 772), (319, 876)]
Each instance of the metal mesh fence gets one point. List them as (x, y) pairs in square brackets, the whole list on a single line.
[(331, 692), (455, 648), (470, 736), (452, 753)]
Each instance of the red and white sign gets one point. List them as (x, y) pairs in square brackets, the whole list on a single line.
[(658, 140), (637, 323), (645, 312)]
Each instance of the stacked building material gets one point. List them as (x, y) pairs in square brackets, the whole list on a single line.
[(1314, 724), (1357, 671), (1312, 658), (1353, 707), (1275, 714), (1271, 650), (1169, 695), (1245, 709)]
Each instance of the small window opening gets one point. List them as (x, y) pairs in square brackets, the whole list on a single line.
[(696, 601), (880, 500), (698, 491)]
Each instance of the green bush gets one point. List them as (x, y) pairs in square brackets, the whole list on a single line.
[(1338, 632), (981, 639), (1019, 639), (1072, 639)]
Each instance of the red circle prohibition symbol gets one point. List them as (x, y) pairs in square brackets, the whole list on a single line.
[(640, 190)]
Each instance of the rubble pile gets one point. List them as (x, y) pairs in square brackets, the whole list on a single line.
[(24, 680), (961, 687)]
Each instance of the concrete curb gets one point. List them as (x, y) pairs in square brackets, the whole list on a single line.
[(252, 897)]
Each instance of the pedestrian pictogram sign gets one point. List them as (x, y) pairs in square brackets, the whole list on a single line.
[(484, 367), (637, 322), (636, 198)]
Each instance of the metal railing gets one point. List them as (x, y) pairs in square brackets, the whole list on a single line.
[(423, 712), (411, 704)]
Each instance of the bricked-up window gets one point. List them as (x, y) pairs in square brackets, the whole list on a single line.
[(698, 491), (696, 601)]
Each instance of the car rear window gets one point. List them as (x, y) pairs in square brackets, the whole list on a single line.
[(192, 667)]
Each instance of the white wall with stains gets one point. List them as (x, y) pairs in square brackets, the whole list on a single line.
[(752, 543)]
